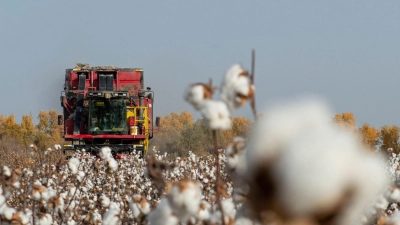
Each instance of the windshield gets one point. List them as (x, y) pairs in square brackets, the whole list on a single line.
[(107, 116)]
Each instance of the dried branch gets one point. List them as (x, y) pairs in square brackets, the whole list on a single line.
[(253, 98)]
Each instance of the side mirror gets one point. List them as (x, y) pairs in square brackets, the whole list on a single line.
[(158, 121), (60, 120)]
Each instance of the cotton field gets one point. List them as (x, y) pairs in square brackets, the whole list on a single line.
[(297, 168), (293, 170), (92, 190)]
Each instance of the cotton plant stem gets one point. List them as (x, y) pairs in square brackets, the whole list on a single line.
[(253, 99), (253, 107), (218, 196)]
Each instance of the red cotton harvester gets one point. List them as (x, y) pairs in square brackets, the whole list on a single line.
[(107, 106)]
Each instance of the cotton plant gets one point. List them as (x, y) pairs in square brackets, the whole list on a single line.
[(215, 112), (127, 195), (236, 89)]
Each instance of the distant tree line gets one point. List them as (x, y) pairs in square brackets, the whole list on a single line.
[(44, 134), (385, 139), (180, 133)]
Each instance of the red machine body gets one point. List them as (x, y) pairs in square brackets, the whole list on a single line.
[(107, 106)]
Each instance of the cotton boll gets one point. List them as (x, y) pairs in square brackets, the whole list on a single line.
[(48, 193), (393, 219), (48, 151), (104, 201), (45, 219), (96, 217), (111, 217), (369, 181), (138, 204), (6, 171), (236, 161), (71, 222), (73, 165), (381, 202), (56, 204), (105, 153), (2, 203), (184, 198), (216, 115), (162, 215), (72, 205), (8, 212), (16, 184), (233, 153), (38, 191), (271, 134), (112, 165), (134, 207), (229, 209), (394, 195), (57, 147), (302, 173), (193, 174), (80, 176), (72, 190), (195, 94), (20, 218), (204, 211), (192, 157), (236, 87), (145, 207)]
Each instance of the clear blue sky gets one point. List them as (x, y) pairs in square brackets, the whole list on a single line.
[(348, 52)]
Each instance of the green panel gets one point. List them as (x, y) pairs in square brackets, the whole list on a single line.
[(107, 116)]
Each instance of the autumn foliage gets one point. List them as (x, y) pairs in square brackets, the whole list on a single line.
[(385, 139), (346, 120), (44, 134), (180, 133)]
